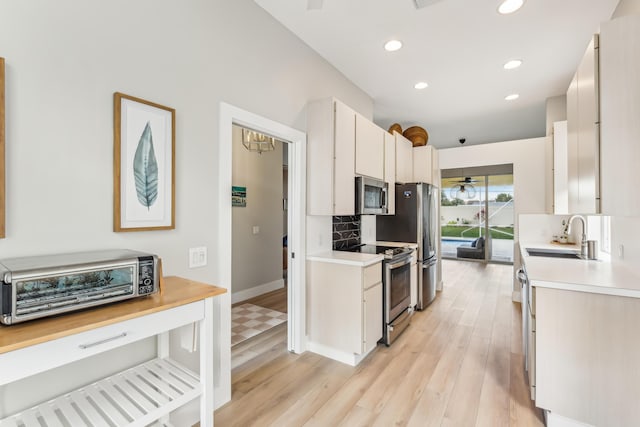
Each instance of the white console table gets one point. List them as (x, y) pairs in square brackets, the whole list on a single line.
[(140, 396)]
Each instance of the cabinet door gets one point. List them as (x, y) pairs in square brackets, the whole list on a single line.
[(620, 113), (588, 133), (422, 167), (435, 167), (572, 144), (372, 319), (344, 148), (404, 159), (369, 148), (560, 173), (390, 170)]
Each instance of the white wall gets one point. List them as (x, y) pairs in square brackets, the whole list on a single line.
[(556, 111), (64, 61), (627, 7), (257, 258), (529, 168)]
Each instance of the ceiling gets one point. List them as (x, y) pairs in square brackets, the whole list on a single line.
[(459, 48)]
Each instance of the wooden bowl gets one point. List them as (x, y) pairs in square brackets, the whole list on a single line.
[(417, 135), (395, 127)]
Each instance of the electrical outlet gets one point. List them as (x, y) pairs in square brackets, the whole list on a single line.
[(197, 257), (621, 251), (256, 229)]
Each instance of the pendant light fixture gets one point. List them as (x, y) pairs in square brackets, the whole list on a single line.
[(463, 188), (257, 142)]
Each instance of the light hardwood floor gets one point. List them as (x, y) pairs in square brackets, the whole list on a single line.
[(460, 363)]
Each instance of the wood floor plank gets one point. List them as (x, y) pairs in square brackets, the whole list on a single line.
[(459, 363)]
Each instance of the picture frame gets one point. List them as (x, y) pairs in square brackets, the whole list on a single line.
[(144, 165), (2, 142)]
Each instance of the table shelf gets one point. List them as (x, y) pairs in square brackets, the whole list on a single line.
[(138, 396)]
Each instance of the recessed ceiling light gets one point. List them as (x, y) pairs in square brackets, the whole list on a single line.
[(421, 85), (510, 6), (392, 45), (514, 63), (512, 97)]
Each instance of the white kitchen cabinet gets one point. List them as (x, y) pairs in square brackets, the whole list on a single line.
[(345, 309), (331, 128), (423, 164), (620, 115), (435, 167), (404, 159), (560, 169), (390, 171), (370, 148), (583, 134)]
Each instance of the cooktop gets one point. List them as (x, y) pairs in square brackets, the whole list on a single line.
[(388, 251)]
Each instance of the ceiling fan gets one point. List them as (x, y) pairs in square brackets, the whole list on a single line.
[(463, 187), (419, 4)]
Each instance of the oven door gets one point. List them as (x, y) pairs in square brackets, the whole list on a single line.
[(397, 286)]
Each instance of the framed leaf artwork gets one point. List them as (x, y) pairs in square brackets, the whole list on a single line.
[(144, 165)]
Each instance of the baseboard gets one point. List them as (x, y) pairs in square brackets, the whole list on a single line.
[(341, 356), (515, 296), (256, 291)]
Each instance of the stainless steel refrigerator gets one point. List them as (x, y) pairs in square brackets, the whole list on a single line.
[(415, 222)]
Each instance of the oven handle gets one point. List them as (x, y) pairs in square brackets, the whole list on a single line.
[(402, 262)]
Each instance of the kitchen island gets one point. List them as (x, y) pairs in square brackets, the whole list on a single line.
[(582, 339)]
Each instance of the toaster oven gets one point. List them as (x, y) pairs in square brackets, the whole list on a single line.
[(40, 286)]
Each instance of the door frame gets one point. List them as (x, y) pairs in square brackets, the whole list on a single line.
[(296, 299)]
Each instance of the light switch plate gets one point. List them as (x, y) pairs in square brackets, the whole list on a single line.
[(197, 257)]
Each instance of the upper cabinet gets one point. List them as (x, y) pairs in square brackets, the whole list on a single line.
[(560, 172), (620, 114), (342, 144), (583, 134), (404, 159), (369, 148), (423, 164), (390, 170), (331, 128), (435, 165)]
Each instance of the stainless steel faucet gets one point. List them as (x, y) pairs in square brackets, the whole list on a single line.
[(583, 238)]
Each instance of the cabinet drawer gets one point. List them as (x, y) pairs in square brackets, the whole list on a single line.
[(372, 275), (51, 354)]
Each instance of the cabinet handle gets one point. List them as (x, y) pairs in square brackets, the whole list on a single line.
[(106, 340)]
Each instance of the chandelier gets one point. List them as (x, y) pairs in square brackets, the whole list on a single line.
[(257, 142), (463, 188)]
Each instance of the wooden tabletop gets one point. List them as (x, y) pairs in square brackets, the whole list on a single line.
[(176, 292)]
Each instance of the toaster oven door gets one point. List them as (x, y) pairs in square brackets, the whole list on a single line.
[(45, 294)]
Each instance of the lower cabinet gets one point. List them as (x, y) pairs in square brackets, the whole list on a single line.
[(344, 306)]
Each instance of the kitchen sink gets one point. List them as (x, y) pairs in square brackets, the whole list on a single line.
[(554, 253)]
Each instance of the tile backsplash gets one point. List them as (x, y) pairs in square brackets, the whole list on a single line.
[(346, 231)]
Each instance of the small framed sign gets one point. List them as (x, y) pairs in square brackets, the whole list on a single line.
[(239, 196)]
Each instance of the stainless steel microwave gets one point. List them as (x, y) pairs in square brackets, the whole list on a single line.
[(40, 286), (371, 196)]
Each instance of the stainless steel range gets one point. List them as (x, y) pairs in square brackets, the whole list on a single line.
[(396, 289)]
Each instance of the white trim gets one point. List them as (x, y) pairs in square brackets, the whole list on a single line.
[(350, 359), (230, 115), (256, 291), (555, 420), (515, 296)]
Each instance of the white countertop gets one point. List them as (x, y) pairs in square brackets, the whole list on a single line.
[(597, 276), (351, 258)]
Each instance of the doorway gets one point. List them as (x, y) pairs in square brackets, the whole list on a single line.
[(477, 214), (230, 115)]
